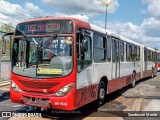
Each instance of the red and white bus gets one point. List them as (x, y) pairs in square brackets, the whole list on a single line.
[(158, 60), (65, 63)]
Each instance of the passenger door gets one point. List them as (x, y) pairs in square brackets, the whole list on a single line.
[(84, 61), (115, 58)]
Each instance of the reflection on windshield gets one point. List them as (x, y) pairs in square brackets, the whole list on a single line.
[(55, 59)]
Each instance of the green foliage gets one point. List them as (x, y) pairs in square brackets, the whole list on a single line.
[(156, 49), (7, 27)]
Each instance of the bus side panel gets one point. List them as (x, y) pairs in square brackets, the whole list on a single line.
[(119, 83), (86, 95), (147, 73), (155, 70), (138, 76)]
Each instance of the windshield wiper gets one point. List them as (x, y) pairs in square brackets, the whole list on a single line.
[(33, 59), (47, 43), (24, 36)]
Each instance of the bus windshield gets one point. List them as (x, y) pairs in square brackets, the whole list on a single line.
[(41, 57)]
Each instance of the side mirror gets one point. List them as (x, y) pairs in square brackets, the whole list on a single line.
[(85, 45), (4, 42)]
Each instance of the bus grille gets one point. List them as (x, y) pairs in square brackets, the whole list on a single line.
[(38, 85)]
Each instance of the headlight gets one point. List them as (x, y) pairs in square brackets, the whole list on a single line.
[(63, 91), (15, 87)]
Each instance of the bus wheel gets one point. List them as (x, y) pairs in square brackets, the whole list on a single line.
[(133, 80), (101, 93)]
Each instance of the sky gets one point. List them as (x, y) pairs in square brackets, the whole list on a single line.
[(138, 20)]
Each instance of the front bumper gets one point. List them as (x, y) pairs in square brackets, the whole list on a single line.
[(43, 100)]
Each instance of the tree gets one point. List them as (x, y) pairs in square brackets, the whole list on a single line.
[(156, 49), (7, 27)]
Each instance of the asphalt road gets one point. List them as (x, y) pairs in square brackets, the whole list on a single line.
[(144, 97)]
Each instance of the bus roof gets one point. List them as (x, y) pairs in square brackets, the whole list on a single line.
[(89, 26), (151, 49), (48, 18), (103, 31)]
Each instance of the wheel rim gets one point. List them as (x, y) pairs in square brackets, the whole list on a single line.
[(134, 81), (101, 93)]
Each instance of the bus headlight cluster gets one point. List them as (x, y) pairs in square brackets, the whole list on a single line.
[(15, 87), (63, 91)]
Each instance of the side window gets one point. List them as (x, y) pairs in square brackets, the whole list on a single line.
[(84, 51), (153, 56), (99, 48), (109, 43), (138, 54), (134, 53), (87, 54), (149, 55), (122, 51), (155, 59), (145, 54), (130, 52), (127, 53), (114, 48)]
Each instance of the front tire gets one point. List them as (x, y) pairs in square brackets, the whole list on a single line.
[(101, 93)]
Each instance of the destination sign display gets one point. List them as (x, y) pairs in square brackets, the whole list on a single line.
[(42, 27), (49, 71)]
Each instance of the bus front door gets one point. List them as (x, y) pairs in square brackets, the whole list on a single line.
[(84, 64)]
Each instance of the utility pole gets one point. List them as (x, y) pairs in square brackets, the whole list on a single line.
[(106, 5)]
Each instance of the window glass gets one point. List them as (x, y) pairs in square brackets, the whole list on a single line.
[(149, 56), (138, 54), (122, 51), (109, 43), (128, 52), (44, 60), (87, 54), (99, 55), (114, 48), (99, 48), (84, 57), (99, 41)]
